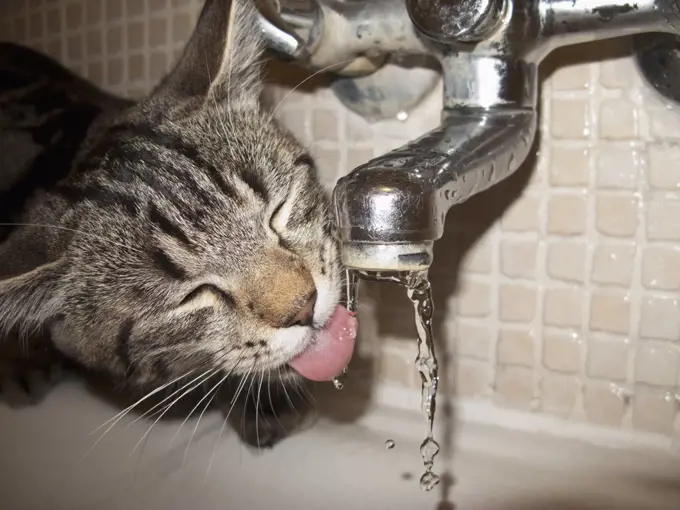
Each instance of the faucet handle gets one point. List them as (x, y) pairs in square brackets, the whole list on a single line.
[(281, 25), (456, 20), (658, 58)]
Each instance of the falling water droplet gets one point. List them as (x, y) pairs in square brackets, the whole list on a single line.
[(402, 116), (345, 370), (389, 444), (338, 385), (428, 481)]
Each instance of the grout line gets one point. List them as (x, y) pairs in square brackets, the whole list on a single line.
[(545, 193), (591, 231)]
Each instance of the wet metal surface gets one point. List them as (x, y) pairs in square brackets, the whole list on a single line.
[(489, 51)]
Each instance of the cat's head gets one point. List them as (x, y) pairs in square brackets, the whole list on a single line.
[(203, 237)]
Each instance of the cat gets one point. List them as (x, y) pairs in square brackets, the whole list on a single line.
[(180, 241)]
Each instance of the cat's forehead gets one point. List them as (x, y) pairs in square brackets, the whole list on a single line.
[(246, 132)]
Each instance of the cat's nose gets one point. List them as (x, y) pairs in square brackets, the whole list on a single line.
[(305, 315), (282, 290)]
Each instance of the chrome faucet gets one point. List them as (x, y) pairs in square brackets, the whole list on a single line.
[(391, 209)]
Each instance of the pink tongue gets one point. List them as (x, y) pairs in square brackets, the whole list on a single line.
[(332, 350)]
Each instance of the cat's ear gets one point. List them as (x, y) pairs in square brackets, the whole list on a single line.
[(29, 300), (222, 58)]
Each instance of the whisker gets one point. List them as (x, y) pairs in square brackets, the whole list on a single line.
[(124, 412), (303, 392), (290, 402), (210, 374), (214, 388), (129, 408), (257, 410), (303, 82), (207, 395), (186, 451), (226, 418), (249, 393), (269, 393)]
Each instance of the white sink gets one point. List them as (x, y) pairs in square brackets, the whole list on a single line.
[(332, 466)]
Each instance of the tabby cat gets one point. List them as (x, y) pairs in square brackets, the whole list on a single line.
[(183, 238)]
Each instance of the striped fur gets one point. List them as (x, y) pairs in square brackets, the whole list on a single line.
[(181, 234)]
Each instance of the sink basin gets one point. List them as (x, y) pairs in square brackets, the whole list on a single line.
[(333, 466)]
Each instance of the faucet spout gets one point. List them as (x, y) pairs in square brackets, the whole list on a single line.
[(392, 209)]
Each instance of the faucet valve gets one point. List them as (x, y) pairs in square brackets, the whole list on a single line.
[(456, 20)]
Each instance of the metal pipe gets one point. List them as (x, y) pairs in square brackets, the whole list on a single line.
[(567, 22), (392, 209), (322, 34)]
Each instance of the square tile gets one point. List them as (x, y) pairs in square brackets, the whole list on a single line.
[(569, 166), (602, 405), (663, 172), (566, 261), (514, 387), (567, 215), (523, 215), (478, 259), (562, 351), (518, 258), (661, 268), (563, 308), (325, 125), (572, 77), (610, 311), (559, 393), (474, 299), (657, 364), (654, 411), (613, 264), (570, 119), (660, 318), (516, 347), (618, 167), (517, 303), (395, 369), (608, 359), (617, 216), (618, 119), (473, 379), (662, 220), (473, 340)]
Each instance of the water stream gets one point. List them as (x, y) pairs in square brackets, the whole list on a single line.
[(419, 292)]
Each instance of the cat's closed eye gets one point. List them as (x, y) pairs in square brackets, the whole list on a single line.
[(206, 288)]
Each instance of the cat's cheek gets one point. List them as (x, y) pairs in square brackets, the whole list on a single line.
[(328, 296), (63, 341)]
